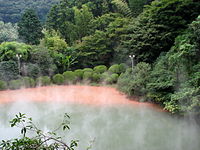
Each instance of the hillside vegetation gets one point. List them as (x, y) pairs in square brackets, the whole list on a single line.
[(11, 10), (85, 40)]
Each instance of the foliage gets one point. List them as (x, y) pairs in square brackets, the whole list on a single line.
[(100, 69), (88, 70), (137, 6), (161, 81), (117, 68), (8, 70), (58, 79), (3, 85), (111, 79), (123, 8), (40, 140), (43, 81), (72, 18), (95, 50), (135, 82), (155, 30), (12, 10), (41, 57), (28, 82), (15, 84), (96, 77), (87, 76), (8, 32), (79, 74), (9, 50), (70, 76), (54, 42), (175, 77), (30, 28), (82, 18), (64, 56), (102, 22), (31, 70)]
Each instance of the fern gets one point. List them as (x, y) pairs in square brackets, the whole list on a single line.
[(122, 7)]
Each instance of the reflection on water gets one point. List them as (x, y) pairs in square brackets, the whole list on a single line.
[(113, 128)]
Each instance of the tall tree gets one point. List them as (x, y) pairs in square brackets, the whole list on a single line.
[(30, 28), (82, 19)]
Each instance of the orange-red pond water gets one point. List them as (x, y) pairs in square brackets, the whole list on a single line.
[(99, 114)]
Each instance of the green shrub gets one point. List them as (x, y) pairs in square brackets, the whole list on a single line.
[(28, 82), (135, 83), (87, 75), (79, 74), (112, 78), (69, 76), (58, 79), (104, 76), (88, 70), (15, 84), (32, 70), (100, 69), (114, 69), (43, 81), (3, 85), (122, 68), (96, 77), (8, 70)]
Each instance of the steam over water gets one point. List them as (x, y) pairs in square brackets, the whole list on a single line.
[(117, 126)]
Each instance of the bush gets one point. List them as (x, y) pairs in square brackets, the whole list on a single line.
[(114, 69), (104, 76), (135, 83), (58, 79), (15, 84), (87, 75), (88, 70), (3, 85), (41, 56), (43, 81), (96, 77), (79, 74), (8, 70), (100, 69), (122, 68), (112, 78), (31, 70), (69, 76), (28, 82)]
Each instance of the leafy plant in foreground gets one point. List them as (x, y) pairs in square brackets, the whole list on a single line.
[(41, 140)]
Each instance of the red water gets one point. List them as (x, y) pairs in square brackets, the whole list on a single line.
[(90, 95)]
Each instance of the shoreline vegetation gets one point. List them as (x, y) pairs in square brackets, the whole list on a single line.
[(148, 48)]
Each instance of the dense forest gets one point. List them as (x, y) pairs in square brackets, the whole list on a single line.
[(11, 10), (92, 40)]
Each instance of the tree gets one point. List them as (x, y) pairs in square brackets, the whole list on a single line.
[(8, 32), (155, 30), (82, 19), (30, 28)]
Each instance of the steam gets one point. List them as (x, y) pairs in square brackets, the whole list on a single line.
[(109, 127)]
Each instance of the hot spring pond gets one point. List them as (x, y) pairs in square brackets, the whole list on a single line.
[(110, 127)]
